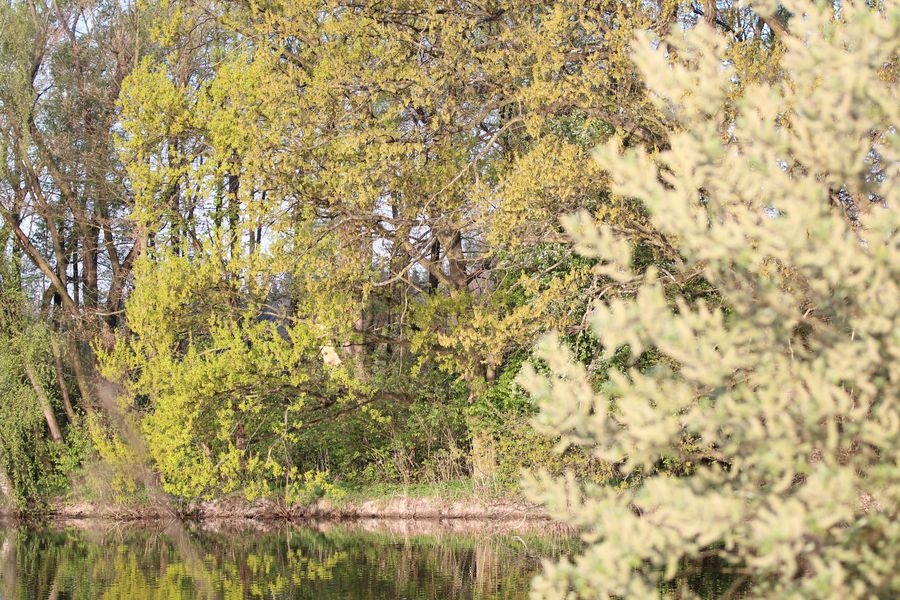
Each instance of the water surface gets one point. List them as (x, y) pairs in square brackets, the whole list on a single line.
[(363, 560)]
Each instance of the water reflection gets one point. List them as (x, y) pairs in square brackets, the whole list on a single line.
[(223, 561)]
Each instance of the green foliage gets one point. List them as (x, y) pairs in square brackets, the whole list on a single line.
[(66, 242), (226, 396), (20, 458), (305, 488), (393, 439), (507, 445), (32, 465), (331, 226), (776, 398), (119, 460), (519, 449), (395, 176)]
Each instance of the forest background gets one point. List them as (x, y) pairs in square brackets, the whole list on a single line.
[(305, 237), (278, 249)]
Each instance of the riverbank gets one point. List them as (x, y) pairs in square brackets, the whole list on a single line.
[(457, 501)]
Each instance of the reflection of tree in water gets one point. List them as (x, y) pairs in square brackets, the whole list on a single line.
[(7, 563), (173, 561)]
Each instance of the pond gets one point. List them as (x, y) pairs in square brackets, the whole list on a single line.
[(363, 559)]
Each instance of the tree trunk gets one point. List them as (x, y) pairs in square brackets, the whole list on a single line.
[(457, 262), (81, 377), (710, 12), (44, 401), (435, 260), (89, 244), (61, 380), (234, 207), (76, 283)]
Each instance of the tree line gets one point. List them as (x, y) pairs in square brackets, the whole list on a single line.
[(311, 236), (272, 248)]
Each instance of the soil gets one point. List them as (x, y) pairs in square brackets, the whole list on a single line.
[(399, 507), (236, 508)]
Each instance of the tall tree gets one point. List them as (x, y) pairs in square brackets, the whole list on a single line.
[(63, 192), (381, 179), (28, 410)]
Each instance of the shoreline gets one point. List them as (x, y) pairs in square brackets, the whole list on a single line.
[(399, 507)]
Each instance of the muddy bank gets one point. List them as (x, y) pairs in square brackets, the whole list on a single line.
[(86, 510), (401, 528), (398, 507)]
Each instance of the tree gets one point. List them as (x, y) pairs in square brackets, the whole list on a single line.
[(30, 434), (63, 192), (354, 156), (779, 399), (65, 200), (380, 179)]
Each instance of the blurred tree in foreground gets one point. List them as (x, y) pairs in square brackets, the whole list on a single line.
[(782, 401)]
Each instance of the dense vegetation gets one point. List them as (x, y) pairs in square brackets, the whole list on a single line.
[(309, 237), (270, 248)]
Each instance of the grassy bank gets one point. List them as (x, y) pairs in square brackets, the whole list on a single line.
[(456, 499)]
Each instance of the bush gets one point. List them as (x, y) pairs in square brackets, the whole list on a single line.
[(783, 399), (504, 443)]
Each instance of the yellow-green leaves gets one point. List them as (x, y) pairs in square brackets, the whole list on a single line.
[(390, 177)]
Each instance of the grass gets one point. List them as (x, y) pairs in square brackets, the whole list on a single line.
[(92, 487), (454, 490)]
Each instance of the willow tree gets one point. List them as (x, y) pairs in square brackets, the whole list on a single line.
[(781, 398)]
